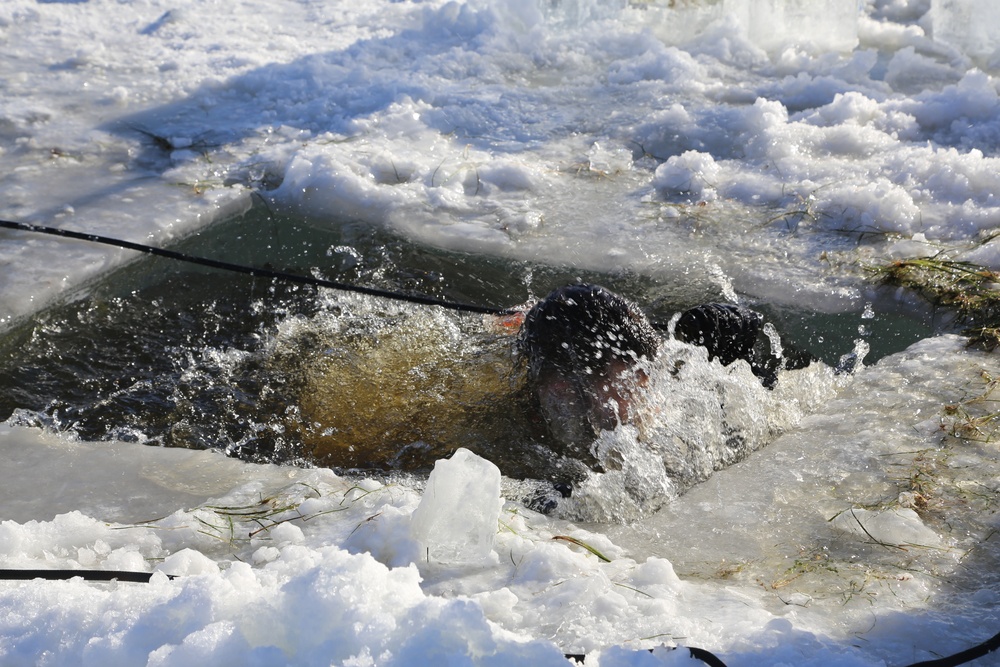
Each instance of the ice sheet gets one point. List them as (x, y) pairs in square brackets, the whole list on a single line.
[(113, 481)]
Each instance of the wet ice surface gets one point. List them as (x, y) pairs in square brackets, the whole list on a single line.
[(897, 445), (547, 141)]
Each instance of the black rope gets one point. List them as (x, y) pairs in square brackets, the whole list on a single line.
[(86, 575), (697, 653), (978, 651), (422, 299)]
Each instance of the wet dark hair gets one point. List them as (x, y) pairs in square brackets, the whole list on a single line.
[(727, 331), (571, 341), (579, 329), (731, 332)]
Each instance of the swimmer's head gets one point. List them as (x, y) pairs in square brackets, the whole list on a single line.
[(584, 347)]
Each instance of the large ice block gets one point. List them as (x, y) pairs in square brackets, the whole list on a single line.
[(456, 520), (971, 26), (818, 25), (677, 21)]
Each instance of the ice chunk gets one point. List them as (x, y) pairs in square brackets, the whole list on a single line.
[(692, 172), (456, 519), (972, 26), (609, 159), (678, 22), (821, 25), (897, 527), (188, 562), (827, 25)]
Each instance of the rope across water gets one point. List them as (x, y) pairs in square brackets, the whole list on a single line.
[(259, 272)]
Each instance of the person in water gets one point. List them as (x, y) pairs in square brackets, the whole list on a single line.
[(588, 351), (409, 393)]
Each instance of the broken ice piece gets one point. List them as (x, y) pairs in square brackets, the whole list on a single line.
[(456, 520)]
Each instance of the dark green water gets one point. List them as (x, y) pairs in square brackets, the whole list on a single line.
[(167, 353)]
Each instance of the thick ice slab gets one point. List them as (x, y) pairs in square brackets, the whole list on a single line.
[(971, 26)]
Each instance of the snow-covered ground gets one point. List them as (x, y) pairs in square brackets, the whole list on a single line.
[(707, 150)]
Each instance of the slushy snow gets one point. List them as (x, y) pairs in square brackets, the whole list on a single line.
[(768, 155)]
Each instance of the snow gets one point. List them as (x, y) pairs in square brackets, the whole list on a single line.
[(767, 156)]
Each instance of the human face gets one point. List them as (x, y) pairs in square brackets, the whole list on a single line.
[(578, 406)]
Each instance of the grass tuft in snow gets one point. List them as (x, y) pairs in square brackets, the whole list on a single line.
[(581, 543)]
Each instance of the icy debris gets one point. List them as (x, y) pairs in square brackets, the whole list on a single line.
[(895, 527), (609, 160), (456, 520)]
